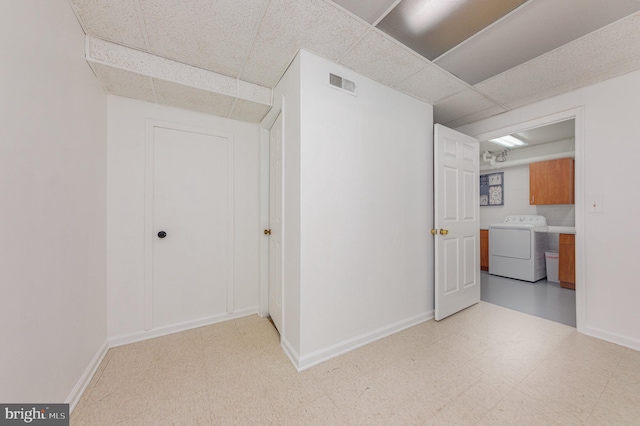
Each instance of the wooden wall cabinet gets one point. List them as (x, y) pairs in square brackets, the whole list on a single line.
[(552, 182), (567, 261), (484, 249)]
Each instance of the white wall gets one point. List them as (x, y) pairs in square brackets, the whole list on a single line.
[(127, 120), (608, 241), (52, 206), (365, 211)]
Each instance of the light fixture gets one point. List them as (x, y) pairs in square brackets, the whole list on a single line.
[(508, 141)]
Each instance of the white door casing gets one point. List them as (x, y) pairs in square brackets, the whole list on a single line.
[(457, 221), (189, 195), (275, 223)]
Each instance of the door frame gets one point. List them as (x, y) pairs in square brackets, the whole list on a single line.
[(577, 114), (149, 236), (265, 140)]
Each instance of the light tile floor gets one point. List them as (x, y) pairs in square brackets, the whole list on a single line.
[(486, 365)]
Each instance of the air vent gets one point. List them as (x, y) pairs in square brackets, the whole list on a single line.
[(342, 83)]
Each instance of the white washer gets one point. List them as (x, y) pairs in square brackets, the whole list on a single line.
[(516, 250)]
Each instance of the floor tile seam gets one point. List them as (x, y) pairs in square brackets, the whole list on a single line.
[(604, 389), (282, 414), (90, 389)]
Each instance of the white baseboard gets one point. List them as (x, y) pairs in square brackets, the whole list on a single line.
[(139, 336), (325, 354), (293, 355), (85, 379), (613, 338)]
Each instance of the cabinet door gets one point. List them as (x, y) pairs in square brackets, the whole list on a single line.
[(551, 182), (567, 261), (484, 249)]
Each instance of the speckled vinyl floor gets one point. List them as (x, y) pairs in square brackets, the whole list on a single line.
[(486, 365)]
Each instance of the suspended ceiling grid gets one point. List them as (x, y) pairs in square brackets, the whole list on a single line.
[(223, 57)]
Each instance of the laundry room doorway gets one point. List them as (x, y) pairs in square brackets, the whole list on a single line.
[(514, 163)]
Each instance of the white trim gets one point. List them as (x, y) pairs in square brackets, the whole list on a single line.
[(613, 337), (125, 339), (231, 221), (289, 350), (149, 235), (578, 114), (325, 354), (264, 222), (148, 226), (87, 375)]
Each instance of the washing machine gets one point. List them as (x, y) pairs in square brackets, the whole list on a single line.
[(517, 246)]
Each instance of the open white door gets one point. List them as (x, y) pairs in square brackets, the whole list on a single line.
[(457, 221), (275, 223)]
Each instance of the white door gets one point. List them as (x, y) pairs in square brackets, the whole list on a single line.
[(275, 223), (457, 222), (192, 260)]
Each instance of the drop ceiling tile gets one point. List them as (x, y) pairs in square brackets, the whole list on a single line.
[(378, 57), (603, 54), (214, 35), (115, 20), (289, 25), (476, 116), (124, 83), (369, 10), (249, 111), (174, 94), (461, 105), (431, 84)]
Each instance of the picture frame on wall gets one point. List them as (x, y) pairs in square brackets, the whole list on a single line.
[(492, 189)]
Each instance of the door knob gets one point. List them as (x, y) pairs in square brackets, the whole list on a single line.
[(162, 234), (443, 232), (267, 232), (434, 232)]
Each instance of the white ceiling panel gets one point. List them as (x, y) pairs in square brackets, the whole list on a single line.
[(205, 54), (124, 83), (115, 20), (382, 59), (606, 53), (289, 25), (461, 105), (369, 10), (249, 111), (536, 28), (214, 35), (193, 99), (431, 84), (472, 118)]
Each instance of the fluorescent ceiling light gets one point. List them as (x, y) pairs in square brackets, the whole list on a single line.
[(432, 27), (421, 16), (508, 141)]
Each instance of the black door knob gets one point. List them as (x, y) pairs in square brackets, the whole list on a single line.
[(162, 234)]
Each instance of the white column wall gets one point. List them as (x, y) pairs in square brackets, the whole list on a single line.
[(52, 205), (127, 121), (366, 185), (610, 239)]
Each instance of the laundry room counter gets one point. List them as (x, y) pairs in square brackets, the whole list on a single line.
[(557, 229)]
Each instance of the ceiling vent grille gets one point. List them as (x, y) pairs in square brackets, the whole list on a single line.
[(342, 83)]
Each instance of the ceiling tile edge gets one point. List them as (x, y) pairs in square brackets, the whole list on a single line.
[(139, 62)]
